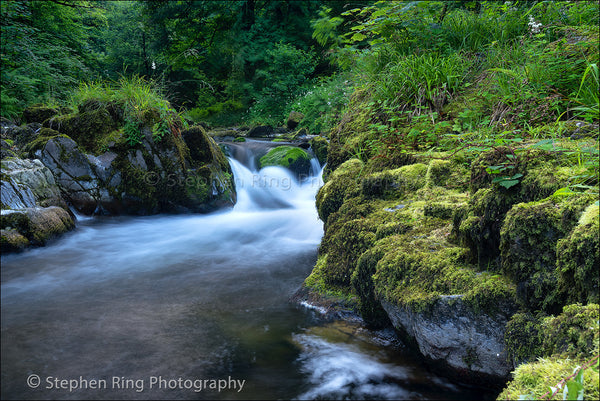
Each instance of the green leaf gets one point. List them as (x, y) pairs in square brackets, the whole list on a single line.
[(357, 37), (566, 191), (508, 183), (573, 391)]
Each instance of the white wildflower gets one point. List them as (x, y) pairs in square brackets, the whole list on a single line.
[(534, 27)]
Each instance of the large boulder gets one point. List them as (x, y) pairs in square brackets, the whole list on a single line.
[(33, 225), (454, 333), (294, 158), (33, 211), (73, 172), (28, 183), (151, 177)]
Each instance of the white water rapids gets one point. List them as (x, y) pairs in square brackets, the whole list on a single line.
[(194, 297)]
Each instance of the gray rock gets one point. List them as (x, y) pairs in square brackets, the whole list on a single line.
[(28, 183), (452, 332), (73, 172), (15, 196)]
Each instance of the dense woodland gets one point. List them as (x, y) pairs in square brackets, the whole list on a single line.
[(484, 114)]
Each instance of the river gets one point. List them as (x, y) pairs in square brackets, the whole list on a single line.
[(195, 307)]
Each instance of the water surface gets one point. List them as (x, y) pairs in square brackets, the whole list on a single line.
[(195, 298)]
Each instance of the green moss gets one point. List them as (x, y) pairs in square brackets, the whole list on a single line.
[(291, 157), (87, 128), (528, 247), (319, 145), (522, 337), (440, 210), (389, 229), (12, 241), (38, 113), (348, 241), (394, 183), (317, 282), (578, 258), (573, 333), (343, 183), (536, 378), (239, 139), (438, 173), (40, 141), (422, 267)]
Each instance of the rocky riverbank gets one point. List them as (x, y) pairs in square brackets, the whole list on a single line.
[(454, 248)]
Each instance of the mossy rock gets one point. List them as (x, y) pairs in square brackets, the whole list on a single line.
[(421, 268), (38, 113), (345, 246), (534, 379), (334, 296), (294, 119), (478, 227), (394, 183), (438, 172), (12, 241), (294, 158), (40, 141), (319, 146), (87, 128), (343, 183), (555, 341), (37, 225), (199, 144), (578, 258), (362, 282), (528, 243)]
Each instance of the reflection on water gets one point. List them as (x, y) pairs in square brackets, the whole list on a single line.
[(195, 297)]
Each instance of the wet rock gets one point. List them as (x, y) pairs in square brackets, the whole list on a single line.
[(37, 225), (291, 157), (453, 333), (261, 131)]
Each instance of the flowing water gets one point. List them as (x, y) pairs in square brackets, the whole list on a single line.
[(195, 307)]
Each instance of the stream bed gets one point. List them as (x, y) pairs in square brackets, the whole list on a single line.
[(195, 307)]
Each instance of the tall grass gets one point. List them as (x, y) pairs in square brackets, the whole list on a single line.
[(135, 94), (421, 78)]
